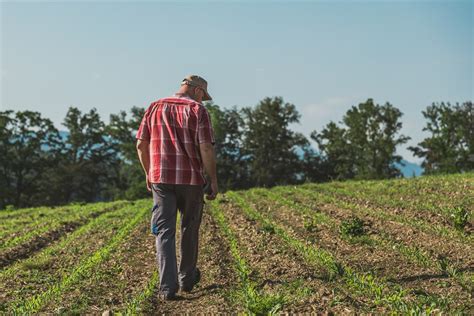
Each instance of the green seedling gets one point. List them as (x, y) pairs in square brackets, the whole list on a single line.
[(310, 224), (460, 217), (352, 227), (255, 301)]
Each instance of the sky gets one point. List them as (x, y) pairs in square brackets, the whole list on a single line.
[(322, 56)]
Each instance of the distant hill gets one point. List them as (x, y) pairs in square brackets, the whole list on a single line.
[(409, 169)]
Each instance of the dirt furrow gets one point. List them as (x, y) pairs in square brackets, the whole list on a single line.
[(432, 213), (30, 247), (366, 257), (460, 254), (212, 294), (279, 269), (116, 281), (37, 273)]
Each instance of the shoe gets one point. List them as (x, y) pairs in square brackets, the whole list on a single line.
[(167, 296), (196, 281)]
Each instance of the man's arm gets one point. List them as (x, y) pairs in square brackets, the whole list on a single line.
[(143, 150), (209, 162)]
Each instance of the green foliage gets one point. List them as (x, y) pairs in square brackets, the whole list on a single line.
[(9, 207), (321, 257), (255, 147), (83, 270), (450, 147), (23, 160), (228, 126), (95, 161), (364, 284), (365, 146), (87, 160), (269, 144), (135, 306), (255, 301), (460, 217), (258, 303), (310, 224), (352, 227), (92, 161)]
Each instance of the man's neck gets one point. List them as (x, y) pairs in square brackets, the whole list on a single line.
[(183, 95)]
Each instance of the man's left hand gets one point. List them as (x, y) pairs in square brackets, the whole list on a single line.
[(148, 183)]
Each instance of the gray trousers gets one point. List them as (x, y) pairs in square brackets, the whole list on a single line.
[(189, 200)]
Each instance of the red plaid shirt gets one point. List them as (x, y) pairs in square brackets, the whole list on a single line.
[(175, 127)]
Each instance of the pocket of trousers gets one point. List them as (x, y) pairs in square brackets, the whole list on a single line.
[(154, 220)]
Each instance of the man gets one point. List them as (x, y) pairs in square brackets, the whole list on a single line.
[(175, 145)]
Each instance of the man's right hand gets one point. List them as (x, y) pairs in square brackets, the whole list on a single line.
[(213, 191), (209, 161)]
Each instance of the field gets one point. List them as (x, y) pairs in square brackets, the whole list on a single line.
[(396, 246)]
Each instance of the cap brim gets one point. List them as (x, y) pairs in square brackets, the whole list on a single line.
[(206, 97)]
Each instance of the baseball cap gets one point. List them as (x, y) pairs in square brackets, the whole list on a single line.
[(197, 81)]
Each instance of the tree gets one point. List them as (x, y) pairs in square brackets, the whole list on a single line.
[(128, 179), (365, 147), (450, 147), (337, 154), (314, 167), (269, 145), (232, 171), (28, 148), (87, 159), (6, 192)]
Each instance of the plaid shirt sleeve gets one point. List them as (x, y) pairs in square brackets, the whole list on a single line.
[(144, 130), (205, 131)]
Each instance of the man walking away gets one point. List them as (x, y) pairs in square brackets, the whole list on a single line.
[(175, 146)]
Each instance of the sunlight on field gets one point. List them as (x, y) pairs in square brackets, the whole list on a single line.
[(358, 246)]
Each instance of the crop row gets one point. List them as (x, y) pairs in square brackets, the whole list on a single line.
[(30, 277), (382, 239), (380, 213), (364, 284), (448, 190), (452, 214), (83, 270), (40, 232), (45, 218), (247, 293)]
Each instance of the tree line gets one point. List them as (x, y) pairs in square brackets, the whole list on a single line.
[(93, 161)]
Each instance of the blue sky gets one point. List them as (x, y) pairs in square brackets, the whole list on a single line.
[(321, 56)]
